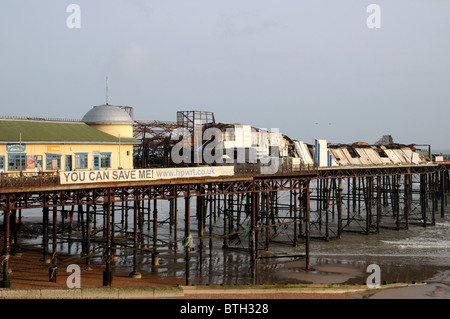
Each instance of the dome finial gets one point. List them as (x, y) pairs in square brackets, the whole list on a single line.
[(107, 91)]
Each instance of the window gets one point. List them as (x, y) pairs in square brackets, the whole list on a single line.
[(2, 163), (105, 160), (17, 162), (81, 160), (53, 161)]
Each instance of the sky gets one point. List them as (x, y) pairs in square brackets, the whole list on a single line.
[(311, 69)]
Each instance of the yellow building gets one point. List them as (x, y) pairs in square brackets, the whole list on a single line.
[(102, 140)]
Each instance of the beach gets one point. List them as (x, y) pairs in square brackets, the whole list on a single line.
[(328, 279), (417, 259)]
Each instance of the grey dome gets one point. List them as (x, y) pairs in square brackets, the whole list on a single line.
[(107, 114)]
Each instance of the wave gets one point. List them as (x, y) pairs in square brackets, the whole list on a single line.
[(417, 244), (363, 254)]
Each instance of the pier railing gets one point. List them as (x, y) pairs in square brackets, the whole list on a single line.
[(32, 179), (261, 170), (24, 179)]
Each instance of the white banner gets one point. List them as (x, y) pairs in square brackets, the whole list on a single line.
[(129, 175)]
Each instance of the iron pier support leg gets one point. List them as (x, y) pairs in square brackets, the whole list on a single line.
[(53, 270), (15, 251), (293, 197), (435, 190), (423, 196), (307, 224), (175, 225), (267, 208), (187, 233), (6, 282), (107, 274), (225, 221), (88, 237), (368, 204), (326, 197), (201, 225), (339, 207), (211, 213), (45, 257), (155, 254), (253, 237), (378, 203), (396, 186), (135, 273), (442, 194)]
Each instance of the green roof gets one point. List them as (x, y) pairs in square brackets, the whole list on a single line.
[(58, 132)]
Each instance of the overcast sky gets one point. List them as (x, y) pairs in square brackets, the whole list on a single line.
[(312, 69)]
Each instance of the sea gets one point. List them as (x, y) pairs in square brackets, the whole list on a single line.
[(418, 256)]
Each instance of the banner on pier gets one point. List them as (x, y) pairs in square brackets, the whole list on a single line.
[(130, 175)]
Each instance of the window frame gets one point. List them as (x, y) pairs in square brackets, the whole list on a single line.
[(105, 157), (51, 157), (81, 160), (22, 157)]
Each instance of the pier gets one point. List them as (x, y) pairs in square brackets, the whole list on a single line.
[(247, 211)]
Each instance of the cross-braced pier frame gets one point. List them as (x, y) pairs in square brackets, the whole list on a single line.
[(241, 205), (247, 212)]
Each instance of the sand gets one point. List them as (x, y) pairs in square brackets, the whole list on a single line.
[(27, 271)]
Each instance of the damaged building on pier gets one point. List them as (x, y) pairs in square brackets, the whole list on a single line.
[(239, 143)]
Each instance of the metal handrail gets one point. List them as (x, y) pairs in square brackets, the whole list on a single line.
[(23, 179), (30, 179)]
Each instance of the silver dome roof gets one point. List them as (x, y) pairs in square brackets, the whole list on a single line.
[(107, 114)]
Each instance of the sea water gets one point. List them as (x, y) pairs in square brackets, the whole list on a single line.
[(414, 255)]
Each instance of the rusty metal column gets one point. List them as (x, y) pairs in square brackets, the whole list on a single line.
[(253, 237), (442, 194), (201, 226), (293, 197), (211, 213), (15, 250), (266, 196), (396, 187), (175, 222), (107, 273), (53, 270), (367, 203), (6, 282), (423, 197), (434, 197), (327, 206), (408, 199), (225, 222), (155, 255), (348, 198), (379, 204), (353, 200), (339, 207), (307, 225), (135, 273), (88, 237), (45, 257), (187, 233)]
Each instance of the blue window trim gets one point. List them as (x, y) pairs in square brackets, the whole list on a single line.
[(78, 158), (107, 156), (21, 157), (52, 157)]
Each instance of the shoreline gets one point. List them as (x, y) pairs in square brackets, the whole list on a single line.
[(29, 279)]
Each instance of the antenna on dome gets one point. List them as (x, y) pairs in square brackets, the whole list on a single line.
[(107, 91)]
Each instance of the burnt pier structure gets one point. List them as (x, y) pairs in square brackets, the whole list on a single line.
[(248, 211)]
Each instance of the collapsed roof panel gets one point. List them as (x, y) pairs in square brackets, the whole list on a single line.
[(392, 156), (373, 156), (363, 156)]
